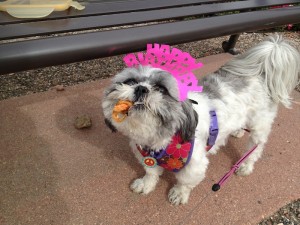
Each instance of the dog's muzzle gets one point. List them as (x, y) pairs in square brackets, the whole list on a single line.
[(140, 92)]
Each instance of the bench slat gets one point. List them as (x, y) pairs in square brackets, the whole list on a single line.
[(60, 50), (96, 8), (95, 22)]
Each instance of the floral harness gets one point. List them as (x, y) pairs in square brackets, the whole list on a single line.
[(173, 158), (178, 153)]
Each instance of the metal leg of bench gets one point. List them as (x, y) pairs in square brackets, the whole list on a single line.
[(228, 46)]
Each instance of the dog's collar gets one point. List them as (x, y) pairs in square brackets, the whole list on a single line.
[(174, 157)]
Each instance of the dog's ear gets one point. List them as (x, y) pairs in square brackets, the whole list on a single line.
[(188, 127), (110, 126)]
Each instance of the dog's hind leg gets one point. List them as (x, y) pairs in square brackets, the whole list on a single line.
[(259, 133), (238, 133)]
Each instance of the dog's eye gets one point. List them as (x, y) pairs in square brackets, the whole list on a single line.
[(161, 89), (130, 82)]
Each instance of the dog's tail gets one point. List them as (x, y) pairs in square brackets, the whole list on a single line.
[(276, 60)]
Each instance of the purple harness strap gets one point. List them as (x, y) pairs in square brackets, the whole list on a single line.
[(213, 130)]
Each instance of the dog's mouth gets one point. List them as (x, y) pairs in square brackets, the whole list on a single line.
[(137, 108), (125, 108), (138, 105)]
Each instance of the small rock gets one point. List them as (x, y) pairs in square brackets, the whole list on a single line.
[(269, 223), (83, 121), (285, 211), (59, 88), (288, 142)]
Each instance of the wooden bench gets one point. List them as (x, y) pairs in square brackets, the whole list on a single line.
[(71, 36)]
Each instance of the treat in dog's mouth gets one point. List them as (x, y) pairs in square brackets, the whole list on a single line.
[(120, 110)]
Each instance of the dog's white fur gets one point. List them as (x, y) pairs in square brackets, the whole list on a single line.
[(245, 93)]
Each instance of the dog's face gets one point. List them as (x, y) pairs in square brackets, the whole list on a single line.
[(156, 114)]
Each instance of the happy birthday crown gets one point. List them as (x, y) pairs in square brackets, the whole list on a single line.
[(177, 63)]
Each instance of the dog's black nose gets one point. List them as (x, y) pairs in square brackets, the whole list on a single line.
[(140, 91)]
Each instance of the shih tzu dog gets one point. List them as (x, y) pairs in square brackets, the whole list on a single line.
[(244, 93)]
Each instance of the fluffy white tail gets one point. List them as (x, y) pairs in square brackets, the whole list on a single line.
[(276, 61)]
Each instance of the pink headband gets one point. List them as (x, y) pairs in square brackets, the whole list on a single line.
[(179, 64)]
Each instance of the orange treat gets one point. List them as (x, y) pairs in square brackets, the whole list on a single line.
[(120, 110)]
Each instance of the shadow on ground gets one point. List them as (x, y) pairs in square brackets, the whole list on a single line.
[(29, 174)]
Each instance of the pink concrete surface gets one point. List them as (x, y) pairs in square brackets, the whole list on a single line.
[(52, 173)]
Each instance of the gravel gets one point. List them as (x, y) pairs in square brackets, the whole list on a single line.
[(39, 80), (287, 215)]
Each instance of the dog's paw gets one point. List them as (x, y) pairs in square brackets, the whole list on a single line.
[(245, 170), (179, 195), (238, 134), (142, 186)]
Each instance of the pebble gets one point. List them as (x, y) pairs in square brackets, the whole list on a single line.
[(83, 121), (59, 88)]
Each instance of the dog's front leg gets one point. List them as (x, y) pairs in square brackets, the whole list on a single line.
[(188, 178), (147, 183)]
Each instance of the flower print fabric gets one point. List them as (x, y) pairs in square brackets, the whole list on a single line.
[(177, 148), (174, 157)]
